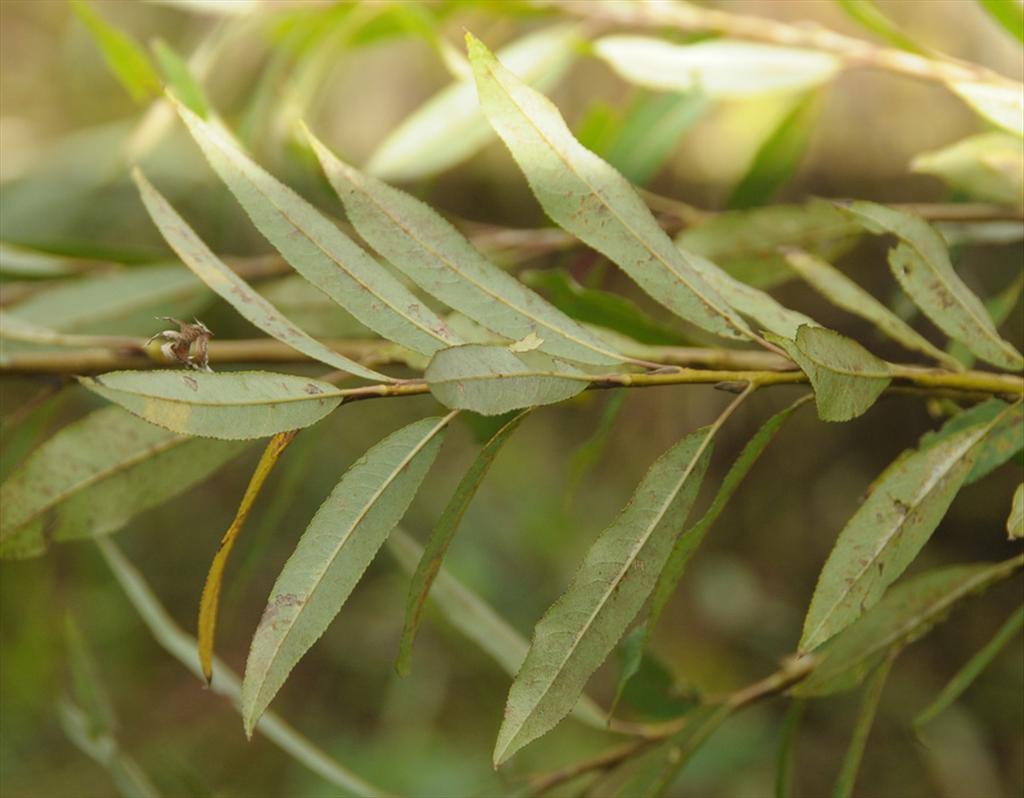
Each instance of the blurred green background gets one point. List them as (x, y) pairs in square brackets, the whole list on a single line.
[(64, 128)]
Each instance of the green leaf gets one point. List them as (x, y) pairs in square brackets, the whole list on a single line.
[(1007, 13), (478, 622), (871, 17), (182, 647), (125, 57), (1015, 521), (966, 676), (180, 79), (861, 730), (492, 380), (921, 264), (847, 379), (721, 69), (1004, 440), (242, 404), (591, 200), (96, 474), (846, 294), (450, 127), (887, 531), (232, 288), (19, 261), (334, 551), (601, 308), (986, 166), (906, 613), (778, 158), (318, 250), (753, 302), (437, 257), (580, 629), (122, 302), (689, 541), (650, 129), (999, 307), (746, 243), (1001, 103), (441, 537)]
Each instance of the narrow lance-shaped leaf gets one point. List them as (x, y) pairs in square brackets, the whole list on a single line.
[(868, 14), (334, 551), (920, 262), (966, 676), (986, 166), (125, 57), (1015, 521), (242, 404), (591, 200), (999, 308), (778, 158), (753, 302), (721, 69), (449, 127), (1007, 13), (492, 380), (182, 647), (180, 79), (438, 258), (999, 102), (580, 629), (887, 532), (862, 729), (846, 294), (318, 250), (474, 618), (207, 624), (847, 379), (232, 288), (440, 539), (1003, 441), (906, 613), (95, 475), (690, 540)]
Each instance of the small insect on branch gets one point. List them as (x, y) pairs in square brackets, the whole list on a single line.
[(189, 344)]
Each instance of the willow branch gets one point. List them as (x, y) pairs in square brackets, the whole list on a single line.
[(811, 35)]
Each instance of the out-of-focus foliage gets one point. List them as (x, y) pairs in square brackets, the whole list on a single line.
[(597, 198)]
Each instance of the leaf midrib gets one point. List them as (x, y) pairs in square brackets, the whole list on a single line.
[(657, 255), (329, 561), (922, 494)]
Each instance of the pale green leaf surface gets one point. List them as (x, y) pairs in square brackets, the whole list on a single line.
[(437, 257), (721, 69), (492, 380), (450, 127), (96, 474), (318, 250), (906, 613), (847, 379), (19, 261), (1015, 521), (588, 198), (441, 537), (1003, 441), (986, 166), (478, 622), (920, 262), (179, 78), (1000, 103), (753, 302), (690, 540), (232, 288), (966, 676), (846, 294), (999, 308), (332, 554), (123, 302), (311, 309), (238, 405), (888, 530), (580, 629)]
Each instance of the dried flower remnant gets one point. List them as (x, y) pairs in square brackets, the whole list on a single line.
[(179, 344)]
